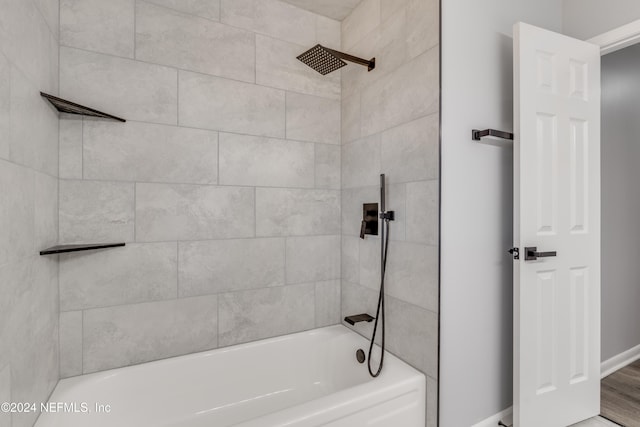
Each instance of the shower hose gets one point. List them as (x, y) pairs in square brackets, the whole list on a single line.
[(384, 247)]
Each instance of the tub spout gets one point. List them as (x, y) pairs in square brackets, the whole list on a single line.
[(352, 320)]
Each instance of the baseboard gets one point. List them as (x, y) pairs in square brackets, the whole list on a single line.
[(606, 368), (623, 359), (492, 421)]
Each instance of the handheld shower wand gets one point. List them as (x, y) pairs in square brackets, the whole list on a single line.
[(386, 217)]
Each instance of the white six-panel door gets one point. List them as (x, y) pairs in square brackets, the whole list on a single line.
[(556, 208)]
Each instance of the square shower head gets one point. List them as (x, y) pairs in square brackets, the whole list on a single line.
[(322, 60)]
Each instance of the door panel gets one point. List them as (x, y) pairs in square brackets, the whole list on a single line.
[(556, 208)]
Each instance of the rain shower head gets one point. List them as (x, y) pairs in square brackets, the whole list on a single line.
[(325, 60)]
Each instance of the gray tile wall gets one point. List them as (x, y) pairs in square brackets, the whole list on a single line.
[(224, 183), (390, 125), (29, 204)]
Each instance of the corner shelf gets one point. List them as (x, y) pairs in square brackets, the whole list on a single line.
[(69, 107), (61, 249)]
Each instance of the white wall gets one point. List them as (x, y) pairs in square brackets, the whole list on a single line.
[(476, 210), (584, 19), (620, 201)]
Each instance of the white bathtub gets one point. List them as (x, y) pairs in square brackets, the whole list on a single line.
[(306, 379)]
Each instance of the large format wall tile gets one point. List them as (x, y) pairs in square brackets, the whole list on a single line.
[(17, 212), (412, 91), (328, 32), (93, 211), (336, 9), (271, 17), (130, 334), (277, 66), (122, 87), (313, 118), (350, 263), (251, 315), (45, 224), (34, 344), (422, 26), (167, 37), (327, 303), (423, 212), (328, 166), (410, 151), (313, 258), (226, 105), (350, 116), (28, 43), (98, 25), (412, 274), (5, 394), (29, 363), (70, 344), (5, 106), (361, 162), (50, 10), (411, 331), (135, 273), (362, 21), (292, 212), (209, 9), (70, 161), (193, 212), (149, 153), (412, 335), (33, 122), (211, 267), (265, 162)]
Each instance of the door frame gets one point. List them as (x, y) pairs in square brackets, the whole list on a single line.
[(618, 38)]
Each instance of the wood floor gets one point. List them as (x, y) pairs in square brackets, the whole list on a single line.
[(620, 396), (595, 422)]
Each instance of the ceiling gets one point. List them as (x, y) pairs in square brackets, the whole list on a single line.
[(335, 9)]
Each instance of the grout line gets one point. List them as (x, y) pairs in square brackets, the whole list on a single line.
[(177, 270), (232, 132), (231, 79), (286, 240), (255, 212), (178, 98), (212, 186), (257, 288), (217, 321), (28, 168), (315, 167), (135, 212), (135, 29), (82, 340), (82, 148), (218, 159), (315, 304)]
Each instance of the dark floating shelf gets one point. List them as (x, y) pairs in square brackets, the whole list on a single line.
[(69, 107), (61, 249)]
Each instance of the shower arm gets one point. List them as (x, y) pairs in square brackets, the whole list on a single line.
[(370, 64)]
